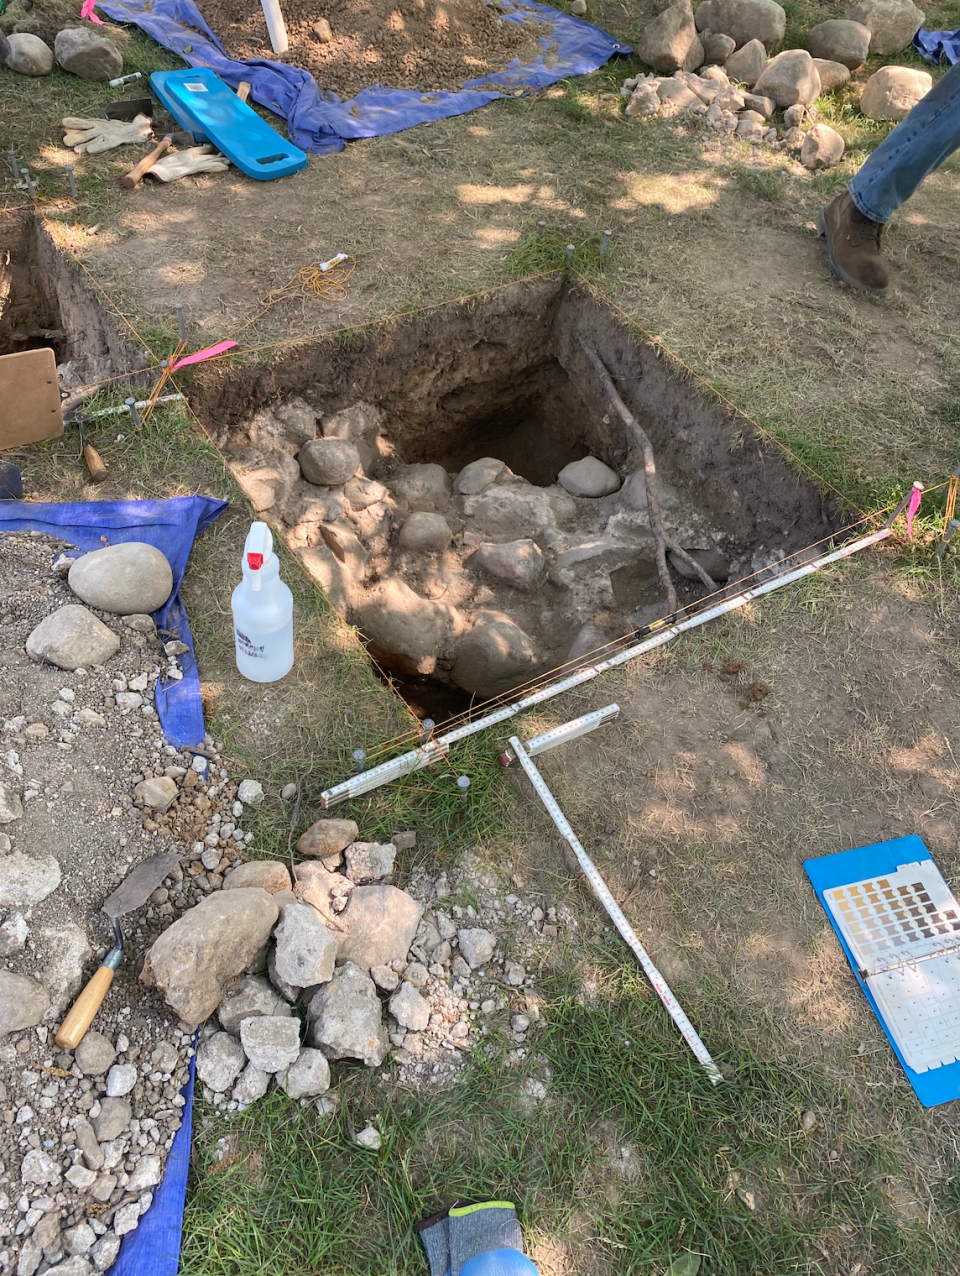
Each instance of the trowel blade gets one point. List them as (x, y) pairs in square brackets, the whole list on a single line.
[(140, 883)]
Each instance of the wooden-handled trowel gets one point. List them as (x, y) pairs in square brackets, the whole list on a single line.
[(134, 890)]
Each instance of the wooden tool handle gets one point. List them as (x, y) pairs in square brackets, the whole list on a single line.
[(129, 180), (80, 1015), (98, 471), (243, 90)]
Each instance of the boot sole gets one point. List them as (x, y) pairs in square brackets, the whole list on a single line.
[(836, 268)]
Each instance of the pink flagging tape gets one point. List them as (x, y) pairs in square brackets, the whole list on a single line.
[(211, 352), (86, 11), (916, 496)]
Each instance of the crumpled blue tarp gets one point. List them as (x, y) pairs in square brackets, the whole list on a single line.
[(321, 121), (169, 526), (154, 1248), (936, 45)]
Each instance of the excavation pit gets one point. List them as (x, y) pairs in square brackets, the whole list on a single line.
[(461, 485), (44, 302)]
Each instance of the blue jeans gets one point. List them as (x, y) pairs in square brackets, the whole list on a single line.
[(914, 149)]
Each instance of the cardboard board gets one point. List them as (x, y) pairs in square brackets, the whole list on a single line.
[(29, 398)]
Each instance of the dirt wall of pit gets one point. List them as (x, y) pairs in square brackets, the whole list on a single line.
[(41, 289), (449, 378)]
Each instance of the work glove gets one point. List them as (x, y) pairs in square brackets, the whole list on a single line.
[(93, 136), (195, 159)]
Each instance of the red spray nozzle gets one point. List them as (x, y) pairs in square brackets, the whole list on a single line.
[(255, 562)]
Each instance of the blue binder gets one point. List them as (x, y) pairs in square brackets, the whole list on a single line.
[(201, 102), (938, 1085)]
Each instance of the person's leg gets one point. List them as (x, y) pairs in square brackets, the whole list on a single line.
[(853, 223), (912, 151)]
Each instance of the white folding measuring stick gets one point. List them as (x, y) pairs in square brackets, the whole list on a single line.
[(572, 730), (601, 890), (413, 760)]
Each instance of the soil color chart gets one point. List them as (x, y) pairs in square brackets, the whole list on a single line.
[(900, 928)]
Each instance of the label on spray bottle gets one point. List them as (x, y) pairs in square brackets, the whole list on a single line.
[(248, 647)]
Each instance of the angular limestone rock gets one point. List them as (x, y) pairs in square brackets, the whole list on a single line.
[(23, 1002), (345, 1018), (380, 922), (198, 957), (252, 996), (305, 951)]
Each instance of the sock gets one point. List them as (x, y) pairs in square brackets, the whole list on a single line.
[(435, 1234), (480, 1229)]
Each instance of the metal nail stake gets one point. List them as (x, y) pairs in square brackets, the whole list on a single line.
[(570, 252), (604, 242), (948, 534), (31, 189), (71, 180), (427, 726), (180, 323), (463, 784), (132, 409), (12, 161), (360, 760), (541, 227)]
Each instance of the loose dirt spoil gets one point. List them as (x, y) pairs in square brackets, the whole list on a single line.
[(414, 44)]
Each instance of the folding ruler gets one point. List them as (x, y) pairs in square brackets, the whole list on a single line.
[(540, 744)]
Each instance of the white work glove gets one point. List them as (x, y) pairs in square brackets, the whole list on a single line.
[(93, 136), (195, 159)]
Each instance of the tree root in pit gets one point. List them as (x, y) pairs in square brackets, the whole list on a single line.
[(662, 540)]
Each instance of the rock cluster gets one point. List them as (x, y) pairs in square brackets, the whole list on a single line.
[(334, 962), (722, 107), (83, 51), (376, 971), (730, 40), (477, 578)]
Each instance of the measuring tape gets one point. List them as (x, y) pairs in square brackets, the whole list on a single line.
[(602, 892)]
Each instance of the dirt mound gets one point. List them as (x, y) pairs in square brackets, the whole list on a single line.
[(413, 44)]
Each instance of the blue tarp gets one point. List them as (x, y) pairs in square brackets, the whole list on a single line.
[(936, 45), (154, 1248), (321, 121), (171, 527)]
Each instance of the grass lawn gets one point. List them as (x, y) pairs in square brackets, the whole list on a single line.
[(813, 1156)]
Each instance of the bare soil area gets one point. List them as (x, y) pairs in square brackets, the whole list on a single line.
[(414, 44)]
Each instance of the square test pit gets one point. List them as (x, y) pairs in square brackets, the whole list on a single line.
[(508, 583)]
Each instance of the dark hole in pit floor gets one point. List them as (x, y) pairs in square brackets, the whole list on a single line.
[(428, 697), (534, 433), (505, 375)]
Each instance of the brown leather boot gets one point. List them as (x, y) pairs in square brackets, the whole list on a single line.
[(853, 246)]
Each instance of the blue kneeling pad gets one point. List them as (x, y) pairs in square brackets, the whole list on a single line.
[(200, 101)]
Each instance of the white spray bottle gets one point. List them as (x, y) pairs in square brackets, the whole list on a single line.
[(262, 612)]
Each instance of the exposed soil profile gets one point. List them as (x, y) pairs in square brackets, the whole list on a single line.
[(403, 44), (460, 488)]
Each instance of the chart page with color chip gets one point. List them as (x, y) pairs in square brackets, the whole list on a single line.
[(903, 929)]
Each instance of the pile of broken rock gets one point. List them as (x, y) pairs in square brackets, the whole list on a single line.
[(739, 88), (372, 970), (88, 786)]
